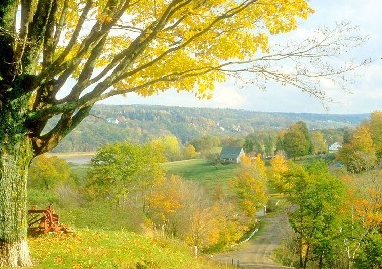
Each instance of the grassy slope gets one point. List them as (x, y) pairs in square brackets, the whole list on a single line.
[(100, 249), (211, 176)]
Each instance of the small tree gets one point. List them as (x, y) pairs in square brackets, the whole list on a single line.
[(122, 169), (277, 172), (249, 186), (189, 152), (294, 144), (170, 146)]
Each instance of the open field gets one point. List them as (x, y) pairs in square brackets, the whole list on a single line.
[(211, 176)]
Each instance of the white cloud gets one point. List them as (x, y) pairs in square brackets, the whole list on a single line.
[(227, 97), (224, 97)]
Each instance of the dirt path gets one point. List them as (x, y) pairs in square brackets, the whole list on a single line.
[(256, 253)]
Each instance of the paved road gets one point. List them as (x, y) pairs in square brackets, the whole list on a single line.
[(257, 252)]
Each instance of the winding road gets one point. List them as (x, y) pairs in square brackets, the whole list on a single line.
[(257, 252)]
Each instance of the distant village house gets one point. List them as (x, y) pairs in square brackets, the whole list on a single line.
[(335, 146), (111, 120), (231, 154)]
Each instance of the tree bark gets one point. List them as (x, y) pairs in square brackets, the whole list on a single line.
[(15, 157), (16, 153)]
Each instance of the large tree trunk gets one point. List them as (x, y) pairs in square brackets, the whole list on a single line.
[(16, 153), (15, 156)]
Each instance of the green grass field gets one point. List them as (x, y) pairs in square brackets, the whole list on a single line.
[(210, 176), (107, 250)]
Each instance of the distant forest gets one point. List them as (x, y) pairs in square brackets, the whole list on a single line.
[(141, 123)]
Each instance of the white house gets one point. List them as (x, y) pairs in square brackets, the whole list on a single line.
[(335, 146)]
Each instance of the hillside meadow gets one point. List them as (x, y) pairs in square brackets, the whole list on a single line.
[(208, 175), (117, 249), (110, 238)]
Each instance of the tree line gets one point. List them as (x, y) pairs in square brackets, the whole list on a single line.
[(141, 123)]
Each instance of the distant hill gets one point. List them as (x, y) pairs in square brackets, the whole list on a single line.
[(140, 123)]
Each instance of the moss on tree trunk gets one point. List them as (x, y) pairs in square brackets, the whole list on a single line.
[(14, 161), (16, 153)]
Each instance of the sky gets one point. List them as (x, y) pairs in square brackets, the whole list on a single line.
[(366, 92)]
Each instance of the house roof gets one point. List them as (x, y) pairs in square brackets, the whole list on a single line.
[(335, 146), (230, 152)]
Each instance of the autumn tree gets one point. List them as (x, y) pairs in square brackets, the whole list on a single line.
[(189, 152), (376, 131), (249, 185), (359, 154), (361, 226), (170, 146), (182, 209), (166, 199), (46, 172), (318, 142), (277, 172), (59, 57)]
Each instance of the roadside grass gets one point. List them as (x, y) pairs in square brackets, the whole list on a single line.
[(209, 175), (117, 249)]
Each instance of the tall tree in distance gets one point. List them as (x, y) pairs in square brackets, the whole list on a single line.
[(318, 142), (59, 57), (304, 129), (297, 141)]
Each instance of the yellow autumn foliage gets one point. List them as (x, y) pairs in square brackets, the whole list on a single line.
[(152, 46), (279, 166)]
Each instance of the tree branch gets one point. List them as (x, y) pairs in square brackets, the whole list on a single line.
[(65, 125)]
